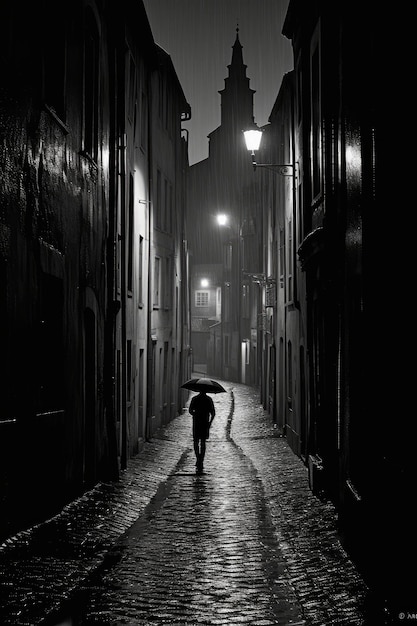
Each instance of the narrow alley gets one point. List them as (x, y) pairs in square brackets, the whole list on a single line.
[(244, 543), (202, 187)]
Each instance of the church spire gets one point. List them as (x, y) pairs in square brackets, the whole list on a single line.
[(237, 65), (237, 96)]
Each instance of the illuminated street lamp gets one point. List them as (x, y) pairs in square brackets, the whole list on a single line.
[(222, 219), (253, 138)]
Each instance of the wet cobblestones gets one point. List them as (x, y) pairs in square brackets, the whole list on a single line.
[(245, 543)]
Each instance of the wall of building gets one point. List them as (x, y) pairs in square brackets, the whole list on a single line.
[(77, 241), (351, 455), (54, 214)]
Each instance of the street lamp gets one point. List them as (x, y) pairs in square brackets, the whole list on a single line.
[(222, 219), (253, 138)]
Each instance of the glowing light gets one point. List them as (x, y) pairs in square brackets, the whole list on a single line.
[(253, 139), (222, 219), (204, 282)]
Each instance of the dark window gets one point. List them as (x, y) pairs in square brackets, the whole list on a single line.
[(131, 105), (290, 248), (315, 121), (140, 294), (156, 282), (144, 121), (129, 370), (165, 212), (130, 234), (158, 208)]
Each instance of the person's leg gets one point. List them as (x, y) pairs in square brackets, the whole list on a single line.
[(200, 461), (202, 450), (197, 450)]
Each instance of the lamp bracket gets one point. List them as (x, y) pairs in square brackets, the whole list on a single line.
[(285, 169)]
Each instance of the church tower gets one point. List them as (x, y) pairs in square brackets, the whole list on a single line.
[(237, 97), (236, 108)]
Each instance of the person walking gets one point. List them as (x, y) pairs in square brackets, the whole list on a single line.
[(203, 412)]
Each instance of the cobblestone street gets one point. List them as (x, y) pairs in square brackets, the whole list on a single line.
[(244, 543)]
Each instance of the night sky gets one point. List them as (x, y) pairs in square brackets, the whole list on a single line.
[(199, 35)]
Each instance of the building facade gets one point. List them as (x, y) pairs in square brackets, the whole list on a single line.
[(284, 389), (79, 153), (345, 426)]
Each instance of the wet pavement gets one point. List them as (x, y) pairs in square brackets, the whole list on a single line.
[(246, 542)]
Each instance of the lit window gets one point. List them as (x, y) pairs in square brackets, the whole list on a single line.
[(202, 298)]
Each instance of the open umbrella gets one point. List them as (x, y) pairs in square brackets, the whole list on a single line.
[(203, 384)]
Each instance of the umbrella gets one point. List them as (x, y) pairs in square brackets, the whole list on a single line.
[(203, 384)]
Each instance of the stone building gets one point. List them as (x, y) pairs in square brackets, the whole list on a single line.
[(79, 150), (355, 456)]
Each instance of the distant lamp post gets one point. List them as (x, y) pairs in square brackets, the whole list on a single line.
[(253, 138), (222, 219)]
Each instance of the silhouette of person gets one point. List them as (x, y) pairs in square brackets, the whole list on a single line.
[(203, 412)]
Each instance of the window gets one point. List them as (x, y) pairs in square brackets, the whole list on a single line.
[(167, 108), (165, 372), (156, 282), (131, 104), (170, 208), (281, 268), (129, 370), (299, 89), (167, 284), (202, 298), (315, 117), (140, 293), (165, 213), (290, 283), (161, 97), (289, 378), (144, 121), (158, 207), (129, 235)]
